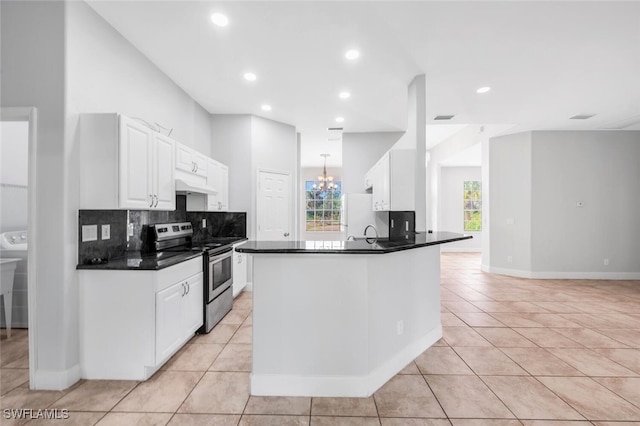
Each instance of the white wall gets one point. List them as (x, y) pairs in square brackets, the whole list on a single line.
[(445, 150), (14, 140), (231, 145), (510, 187), (451, 203), (600, 169), (416, 138), (360, 152), (63, 59), (275, 148), (106, 73), (536, 179), (32, 56), (246, 143)]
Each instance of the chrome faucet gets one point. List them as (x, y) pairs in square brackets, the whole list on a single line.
[(369, 238)]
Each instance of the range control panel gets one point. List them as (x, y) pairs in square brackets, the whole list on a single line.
[(165, 231)]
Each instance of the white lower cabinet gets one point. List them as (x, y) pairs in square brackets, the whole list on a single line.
[(239, 270), (132, 322), (179, 311)]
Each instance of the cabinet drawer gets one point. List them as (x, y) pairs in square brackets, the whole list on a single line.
[(171, 275)]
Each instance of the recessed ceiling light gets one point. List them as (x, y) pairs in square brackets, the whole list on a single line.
[(484, 89), (219, 19), (250, 76), (344, 95), (339, 119), (352, 54), (266, 107)]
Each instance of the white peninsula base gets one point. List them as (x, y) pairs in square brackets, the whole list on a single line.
[(341, 324)]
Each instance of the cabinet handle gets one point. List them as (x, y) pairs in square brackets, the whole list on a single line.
[(157, 200), (219, 205), (188, 287), (184, 290), (196, 167), (193, 166), (151, 196)]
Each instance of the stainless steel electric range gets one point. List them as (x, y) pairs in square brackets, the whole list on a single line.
[(217, 264)]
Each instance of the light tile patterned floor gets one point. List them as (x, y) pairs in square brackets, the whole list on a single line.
[(514, 352)]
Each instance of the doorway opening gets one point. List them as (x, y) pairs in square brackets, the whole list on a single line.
[(17, 228)]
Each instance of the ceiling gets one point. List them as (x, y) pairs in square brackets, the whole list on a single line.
[(544, 61)]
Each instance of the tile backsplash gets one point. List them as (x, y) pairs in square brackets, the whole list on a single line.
[(402, 225), (218, 225)]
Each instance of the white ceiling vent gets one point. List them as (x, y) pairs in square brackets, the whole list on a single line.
[(581, 116), (443, 117), (335, 134)]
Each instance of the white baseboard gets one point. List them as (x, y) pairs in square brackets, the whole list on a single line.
[(342, 386), (249, 286), (56, 379), (521, 273)]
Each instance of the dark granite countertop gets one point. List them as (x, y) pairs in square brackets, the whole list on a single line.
[(359, 246), (138, 261)]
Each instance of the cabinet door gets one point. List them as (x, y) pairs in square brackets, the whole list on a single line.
[(384, 183), (201, 164), (223, 190), (135, 152), (239, 272), (169, 320), (193, 305), (213, 180), (163, 173), (219, 180), (185, 158)]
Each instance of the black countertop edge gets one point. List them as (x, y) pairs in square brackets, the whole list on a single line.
[(361, 246), (138, 261)]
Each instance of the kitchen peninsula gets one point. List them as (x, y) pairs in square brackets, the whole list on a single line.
[(340, 318)]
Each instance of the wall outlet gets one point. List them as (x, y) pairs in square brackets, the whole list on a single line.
[(105, 232), (204, 222), (400, 327), (606, 262), (130, 230), (89, 233), (509, 259)]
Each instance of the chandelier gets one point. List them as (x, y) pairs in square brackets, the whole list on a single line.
[(325, 183)]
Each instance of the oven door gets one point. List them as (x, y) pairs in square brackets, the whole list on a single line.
[(220, 274)]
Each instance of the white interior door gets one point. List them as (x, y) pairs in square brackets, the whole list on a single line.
[(274, 206)]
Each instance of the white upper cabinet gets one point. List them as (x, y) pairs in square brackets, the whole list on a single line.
[(124, 164), (135, 148), (163, 176), (392, 180), (191, 161), (218, 179)]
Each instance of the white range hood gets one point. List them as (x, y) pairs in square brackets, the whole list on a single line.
[(190, 186)]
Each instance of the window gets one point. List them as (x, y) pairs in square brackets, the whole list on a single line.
[(472, 205), (323, 208)]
